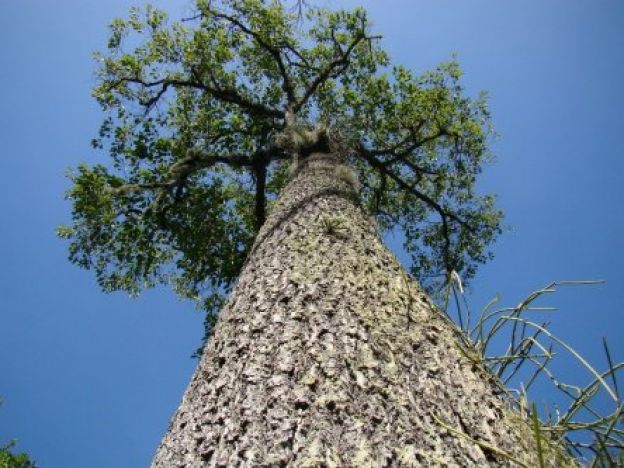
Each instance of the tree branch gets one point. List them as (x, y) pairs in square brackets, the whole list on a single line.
[(179, 171), (219, 92), (129, 188), (303, 63), (341, 61), (399, 156), (273, 51), (260, 172), (402, 156), (445, 216)]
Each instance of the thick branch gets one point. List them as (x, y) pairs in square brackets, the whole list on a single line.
[(412, 136), (341, 61), (128, 188), (260, 173), (216, 90), (179, 171), (403, 155), (416, 143), (303, 61), (196, 159), (273, 51), (445, 215)]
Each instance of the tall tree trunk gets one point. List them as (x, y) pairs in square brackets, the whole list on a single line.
[(327, 354)]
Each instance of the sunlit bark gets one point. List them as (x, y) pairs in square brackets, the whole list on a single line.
[(327, 354)]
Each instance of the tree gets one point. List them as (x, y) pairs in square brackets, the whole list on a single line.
[(252, 149)]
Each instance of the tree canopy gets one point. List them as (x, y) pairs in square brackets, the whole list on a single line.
[(204, 116)]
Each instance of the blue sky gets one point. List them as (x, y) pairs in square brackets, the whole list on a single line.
[(90, 379)]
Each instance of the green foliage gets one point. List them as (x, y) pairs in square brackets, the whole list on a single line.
[(8, 459), (334, 226), (198, 118)]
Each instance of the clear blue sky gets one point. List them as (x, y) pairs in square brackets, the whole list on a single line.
[(91, 379)]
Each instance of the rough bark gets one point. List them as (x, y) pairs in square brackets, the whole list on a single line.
[(327, 354)]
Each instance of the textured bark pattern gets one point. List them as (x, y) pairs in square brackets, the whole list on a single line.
[(327, 354)]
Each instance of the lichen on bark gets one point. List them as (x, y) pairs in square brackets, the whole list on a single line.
[(328, 354)]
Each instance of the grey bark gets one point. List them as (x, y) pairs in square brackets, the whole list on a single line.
[(328, 354)]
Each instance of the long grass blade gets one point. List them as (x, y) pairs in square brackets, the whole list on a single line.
[(610, 361), (572, 351)]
